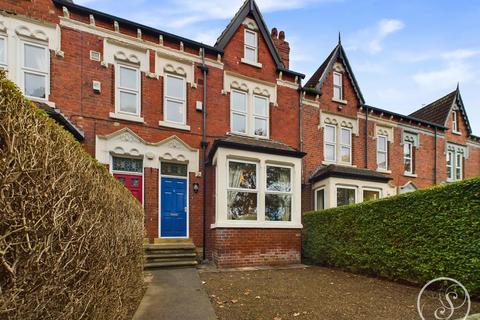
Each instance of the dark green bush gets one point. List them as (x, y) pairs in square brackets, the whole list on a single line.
[(413, 237)]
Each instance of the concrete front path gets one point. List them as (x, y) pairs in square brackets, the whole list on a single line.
[(175, 294)]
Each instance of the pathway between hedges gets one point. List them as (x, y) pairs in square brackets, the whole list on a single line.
[(175, 294)]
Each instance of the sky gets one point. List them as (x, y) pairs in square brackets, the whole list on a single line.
[(404, 53)]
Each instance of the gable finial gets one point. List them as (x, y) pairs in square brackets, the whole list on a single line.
[(339, 38), (250, 4), (458, 85)]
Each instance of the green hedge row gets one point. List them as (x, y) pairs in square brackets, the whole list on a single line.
[(413, 237)]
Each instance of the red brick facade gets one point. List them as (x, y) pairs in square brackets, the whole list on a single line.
[(72, 73)]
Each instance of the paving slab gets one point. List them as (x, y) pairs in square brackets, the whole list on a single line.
[(175, 294)]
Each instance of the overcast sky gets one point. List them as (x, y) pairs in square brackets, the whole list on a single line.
[(404, 53)]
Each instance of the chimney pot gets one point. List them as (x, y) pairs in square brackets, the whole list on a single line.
[(281, 36), (274, 33)]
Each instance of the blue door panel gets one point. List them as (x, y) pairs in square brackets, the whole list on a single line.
[(173, 207)]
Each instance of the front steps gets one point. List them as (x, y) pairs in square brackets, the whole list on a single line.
[(171, 253)]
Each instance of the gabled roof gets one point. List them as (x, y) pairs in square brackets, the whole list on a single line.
[(439, 110), (250, 7), (317, 79)]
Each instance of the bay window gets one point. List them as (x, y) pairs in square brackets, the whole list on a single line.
[(408, 163), (319, 199), (238, 112), (175, 99), (242, 192), (337, 86), (250, 46), (127, 90), (370, 194), (382, 152), (330, 145), (278, 194), (35, 70)]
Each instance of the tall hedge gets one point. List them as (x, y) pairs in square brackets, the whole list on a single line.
[(70, 235), (414, 237)]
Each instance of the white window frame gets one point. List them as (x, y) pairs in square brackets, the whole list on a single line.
[(246, 46), (340, 86), (380, 192), (408, 158), (342, 145), (455, 122), (262, 117), (256, 190), (379, 137), (451, 177), (4, 63), (330, 143), (24, 70), (232, 112), (290, 193), (345, 187), (118, 89), (174, 99), (458, 166), (315, 201)]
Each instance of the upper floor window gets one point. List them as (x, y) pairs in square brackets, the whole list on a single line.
[(343, 148), (455, 121), (382, 152), (330, 139), (3, 51), (408, 160), (251, 46), (127, 90), (175, 99), (249, 114), (35, 70), (337, 86)]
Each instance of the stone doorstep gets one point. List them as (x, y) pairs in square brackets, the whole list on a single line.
[(167, 240), (212, 268)]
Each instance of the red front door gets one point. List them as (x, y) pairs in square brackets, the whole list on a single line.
[(132, 183)]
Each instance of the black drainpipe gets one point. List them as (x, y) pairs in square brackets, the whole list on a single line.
[(366, 136), (435, 158), (204, 69)]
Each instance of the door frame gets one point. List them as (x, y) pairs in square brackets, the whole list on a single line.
[(187, 204), (110, 168)]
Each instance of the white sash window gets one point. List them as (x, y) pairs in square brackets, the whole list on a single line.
[(35, 70), (175, 99), (128, 90)]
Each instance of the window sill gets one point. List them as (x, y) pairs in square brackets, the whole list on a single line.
[(257, 225), (173, 125), (126, 117), (458, 133), (254, 64), (384, 170), (339, 101), (45, 101), (412, 175), (247, 135), (345, 164)]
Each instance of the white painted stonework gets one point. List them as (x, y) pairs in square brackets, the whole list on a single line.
[(252, 86), (126, 143), (330, 186), (115, 51), (337, 120), (384, 131), (220, 161)]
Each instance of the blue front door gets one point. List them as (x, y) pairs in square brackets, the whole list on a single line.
[(173, 207)]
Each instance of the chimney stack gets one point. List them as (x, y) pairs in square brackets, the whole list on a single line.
[(282, 46)]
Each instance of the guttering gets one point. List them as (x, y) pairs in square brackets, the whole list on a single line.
[(288, 71), (434, 125), (204, 69), (166, 35)]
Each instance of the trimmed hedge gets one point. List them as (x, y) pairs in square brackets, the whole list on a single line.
[(70, 234), (413, 237)]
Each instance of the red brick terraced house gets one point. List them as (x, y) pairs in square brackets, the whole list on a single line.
[(223, 145)]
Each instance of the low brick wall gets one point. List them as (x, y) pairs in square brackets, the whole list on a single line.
[(255, 247)]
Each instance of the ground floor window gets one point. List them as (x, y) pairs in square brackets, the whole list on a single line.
[(278, 194), (319, 199), (346, 196), (242, 191), (370, 195)]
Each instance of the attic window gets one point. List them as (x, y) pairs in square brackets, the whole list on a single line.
[(337, 86), (455, 122), (251, 46)]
